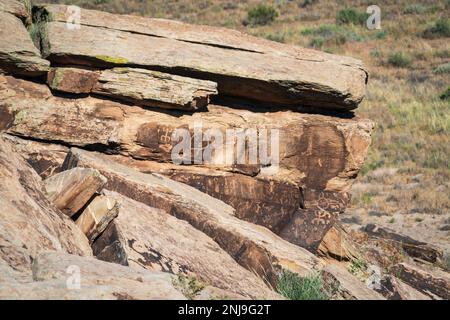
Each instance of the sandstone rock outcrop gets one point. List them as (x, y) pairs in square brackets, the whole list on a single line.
[(98, 280), (203, 154), (18, 55), (151, 238), (97, 216), (319, 155), (238, 72), (139, 86), (29, 223), (252, 246), (71, 190)]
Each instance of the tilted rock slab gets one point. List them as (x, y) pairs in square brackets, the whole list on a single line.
[(319, 155), (29, 223), (45, 158), (18, 55), (139, 86), (275, 79), (252, 246), (395, 289), (151, 238), (435, 283), (71, 190), (412, 247), (16, 8), (346, 286), (97, 216), (98, 281)]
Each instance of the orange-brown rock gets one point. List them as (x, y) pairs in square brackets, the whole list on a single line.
[(55, 278), (18, 55), (150, 238), (319, 155), (252, 246), (273, 76), (29, 223), (71, 190)]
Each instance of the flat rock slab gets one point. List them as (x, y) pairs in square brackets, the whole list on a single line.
[(29, 223), (434, 283), (319, 155), (151, 238), (97, 216), (18, 55), (71, 190), (273, 79), (98, 281), (252, 246), (412, 247), (138, 86)]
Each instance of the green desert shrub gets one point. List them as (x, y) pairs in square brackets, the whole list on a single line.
[(442, 69), (294, 287), (400, 60), (440, 29), (351, 16), (446, 94), (414, 8), (261, 15)]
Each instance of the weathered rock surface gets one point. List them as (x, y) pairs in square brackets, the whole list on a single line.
[(395, 289), (52, 274), (252, 246), (434, 283), (71, 190), (97, 216), (45, 158), (18, 55), (29, 223), (151, 238), (346, 286), (240, 73), (337, 245), (16, 8), (137, 86), (412, 247), (319, 155)]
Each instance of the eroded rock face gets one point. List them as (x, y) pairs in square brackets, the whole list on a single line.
[(241, 73), (151, 238), (97, 216), (319, 155), (18, 55), (138, 86), (71, 190), (98, 280), (434, 283), (252, 246), (29, 223)]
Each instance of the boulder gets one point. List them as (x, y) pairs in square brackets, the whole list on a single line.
[(97, 216), (412, 247), (434, 283), (239, 73), (29, 223), (150, 238), (18, 55), (252, 246), (138, 86), (319, 155), (55, 278), (17, 8), (71, 190)]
